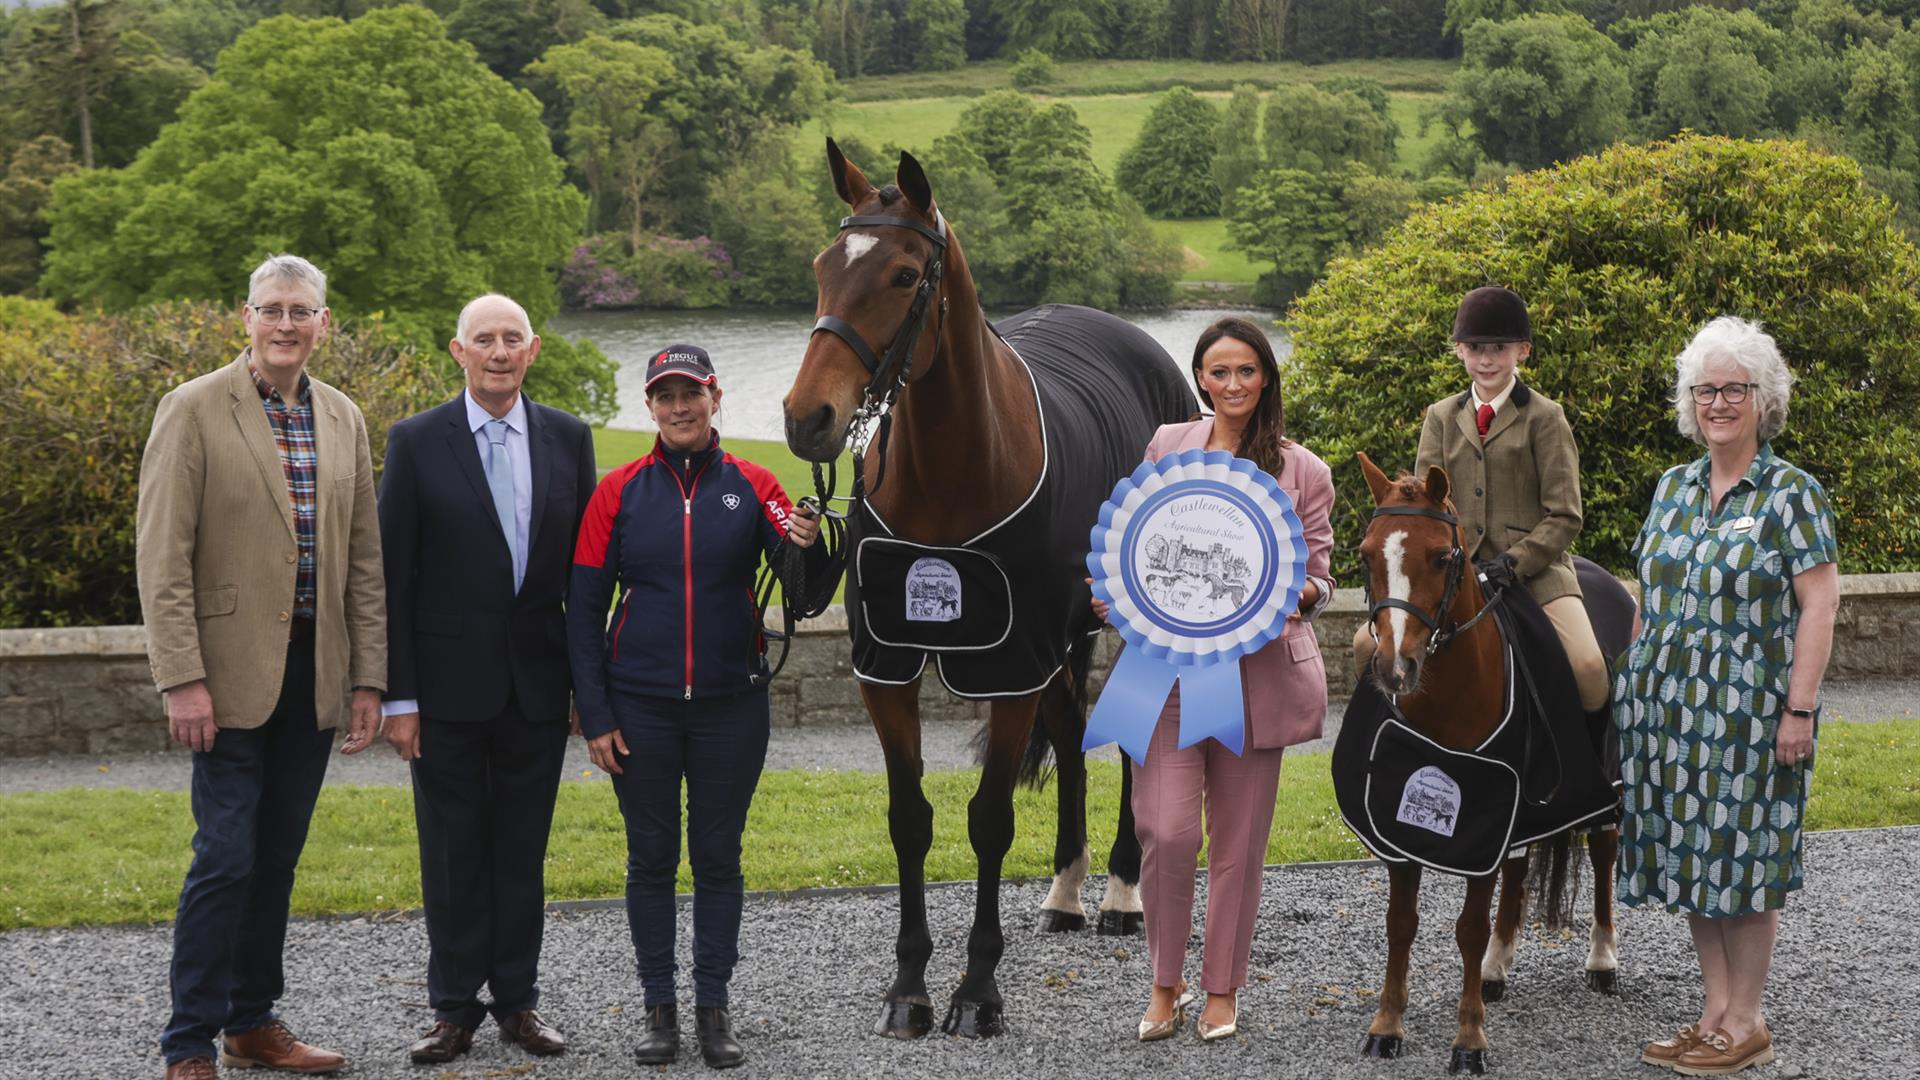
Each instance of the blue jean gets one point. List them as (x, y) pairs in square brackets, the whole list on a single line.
[(253, 797), (718, 746)]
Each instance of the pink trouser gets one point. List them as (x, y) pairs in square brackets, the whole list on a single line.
[(1168, 792)]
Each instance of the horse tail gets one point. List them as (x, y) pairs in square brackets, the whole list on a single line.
[(1061, 721), (1553, 878)]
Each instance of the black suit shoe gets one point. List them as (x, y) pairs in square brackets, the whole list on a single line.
[(445, 1042), (718, 1048), (661, 1044), (533, 1034)]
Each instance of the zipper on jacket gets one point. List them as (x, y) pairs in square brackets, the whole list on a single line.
[(686, 559)]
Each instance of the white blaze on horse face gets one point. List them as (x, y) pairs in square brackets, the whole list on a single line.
[(1399, 586), (859, 244), (1064, 896)]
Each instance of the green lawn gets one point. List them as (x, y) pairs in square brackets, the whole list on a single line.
[(107, 856), (1146, 76), (613, 447), (1207, 256)]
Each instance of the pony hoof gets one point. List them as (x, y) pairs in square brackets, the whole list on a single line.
[(1121, 923), (1061, 922), (904, 1019), (974, 1020), (1384, 1047), (1495, 989), (1603, 981), (1468, 1061)]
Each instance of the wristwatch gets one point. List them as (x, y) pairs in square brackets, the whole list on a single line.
[(1803, 713)]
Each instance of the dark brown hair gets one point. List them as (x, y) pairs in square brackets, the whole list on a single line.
[(1266, 433)]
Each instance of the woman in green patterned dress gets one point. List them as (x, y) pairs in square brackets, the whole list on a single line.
[(1717, 703)]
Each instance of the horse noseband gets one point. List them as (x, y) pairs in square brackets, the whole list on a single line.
[(889, 373), (1439, 635)]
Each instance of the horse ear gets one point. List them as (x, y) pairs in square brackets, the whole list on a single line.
[(913, 183), (1377, 481), (848, 181), (1438, 485)]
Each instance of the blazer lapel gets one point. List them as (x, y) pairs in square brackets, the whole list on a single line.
[(465, 451), (1504, 419), (539, 464), (1463, 418), (257, 433)]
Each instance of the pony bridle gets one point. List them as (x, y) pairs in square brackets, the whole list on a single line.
[(1439, 635), (888, 375)]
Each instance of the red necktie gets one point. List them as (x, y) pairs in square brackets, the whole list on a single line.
[(1483, 420)]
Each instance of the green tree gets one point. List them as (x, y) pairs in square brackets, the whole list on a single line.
[(614, 139), (1308, 128), (510, 34), (1540, 88), (1064, 29), (1236, 145), (1703, 69), (1621, 257), (413, 175), (769, 223), (25, 189), (1299, 221), (1462, 14), (1031, 70), (1169, 168), (933, 35), (90, 74)]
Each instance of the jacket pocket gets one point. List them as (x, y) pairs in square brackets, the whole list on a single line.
[(220, 600), (1303, 647)]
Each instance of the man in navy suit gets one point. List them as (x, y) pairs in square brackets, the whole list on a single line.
[(479, 508)]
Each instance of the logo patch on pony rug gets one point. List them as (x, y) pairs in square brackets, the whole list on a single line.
[(1431, 800), (933, 591)]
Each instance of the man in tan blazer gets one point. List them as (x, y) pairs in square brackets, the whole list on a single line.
[(258, 555), (1516, 476)]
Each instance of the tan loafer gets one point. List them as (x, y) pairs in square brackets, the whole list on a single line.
[(1156, 1030), (1668, 1050), (1718, 1055)]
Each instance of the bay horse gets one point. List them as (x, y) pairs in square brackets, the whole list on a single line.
[(1444, 666), (973, 434)]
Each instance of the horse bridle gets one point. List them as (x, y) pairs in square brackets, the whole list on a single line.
[(1440, 634)]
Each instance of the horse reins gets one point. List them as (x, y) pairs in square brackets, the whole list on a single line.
[(872, 422)]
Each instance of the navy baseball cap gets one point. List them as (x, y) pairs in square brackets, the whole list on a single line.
[(690, 361)]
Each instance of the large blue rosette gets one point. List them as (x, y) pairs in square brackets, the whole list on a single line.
[(1200, 558)]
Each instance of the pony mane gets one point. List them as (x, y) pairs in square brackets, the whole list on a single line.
[(1410, 489)]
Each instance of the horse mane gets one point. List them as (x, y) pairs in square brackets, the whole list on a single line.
[(889, 194)]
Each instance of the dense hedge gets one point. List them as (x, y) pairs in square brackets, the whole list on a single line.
[(1622, 256), (77, 396)]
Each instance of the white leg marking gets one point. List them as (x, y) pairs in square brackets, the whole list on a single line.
[(1065, 893), (1399, 587), (859, 244), (1120, 896), (1498, 963), (1602, 954)]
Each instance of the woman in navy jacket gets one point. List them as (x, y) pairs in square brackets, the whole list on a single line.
[(673, 686)]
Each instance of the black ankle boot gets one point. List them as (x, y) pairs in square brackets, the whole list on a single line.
[(718, 1047), (661, 1043)]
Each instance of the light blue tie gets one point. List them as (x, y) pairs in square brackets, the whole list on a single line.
[(500, 482)]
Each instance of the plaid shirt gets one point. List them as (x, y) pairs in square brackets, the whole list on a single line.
[(293, 434)]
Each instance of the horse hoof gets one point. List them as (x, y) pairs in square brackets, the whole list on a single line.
[(1384, 1047), (904, 1019), (1061, 922), (1121, 923), (1468, 1061), (974, 1020), (1494, 989), (1602, 981)]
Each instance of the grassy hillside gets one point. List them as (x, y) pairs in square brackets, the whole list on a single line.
[(1086, 77)]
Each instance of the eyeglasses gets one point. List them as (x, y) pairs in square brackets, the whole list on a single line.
[(1732, 393), (273, 313)]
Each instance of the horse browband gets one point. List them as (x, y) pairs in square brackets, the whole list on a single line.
[(1456, 564)]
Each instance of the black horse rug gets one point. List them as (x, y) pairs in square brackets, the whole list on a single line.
[(1001, 611), (1546, 768)]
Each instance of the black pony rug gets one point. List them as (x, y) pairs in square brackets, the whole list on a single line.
[(1546, 768), (1001, 611)]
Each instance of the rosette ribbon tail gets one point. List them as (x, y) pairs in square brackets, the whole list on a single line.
[(1130, 703), (1212, 706)]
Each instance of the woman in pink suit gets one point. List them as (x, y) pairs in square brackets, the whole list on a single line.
[(1286, 695)]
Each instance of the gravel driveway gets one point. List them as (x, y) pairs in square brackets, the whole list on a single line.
[(89, 1003)]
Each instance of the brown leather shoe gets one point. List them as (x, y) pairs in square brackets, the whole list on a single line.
[(445, 1042), (536, 1035), (273, 1046), (1718, 1055), (1664, 1052), (193, 1069)]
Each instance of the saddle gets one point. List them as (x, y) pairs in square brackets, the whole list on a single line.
[(1462, 811)]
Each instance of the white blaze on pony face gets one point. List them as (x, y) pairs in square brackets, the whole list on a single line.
[(859, 244), (1399, 587)]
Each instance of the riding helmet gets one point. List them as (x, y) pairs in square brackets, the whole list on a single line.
[(1492, 314)]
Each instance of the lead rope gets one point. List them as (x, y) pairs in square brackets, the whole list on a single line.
[(800, 597)]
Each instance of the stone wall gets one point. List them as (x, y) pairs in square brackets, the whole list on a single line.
[(87, 691)]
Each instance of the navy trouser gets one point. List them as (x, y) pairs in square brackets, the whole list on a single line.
[(483, 795), (718, 745), (253, 797)]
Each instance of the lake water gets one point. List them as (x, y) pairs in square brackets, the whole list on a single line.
[(757, 353)]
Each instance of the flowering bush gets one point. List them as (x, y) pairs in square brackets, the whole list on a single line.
[(607, 271)]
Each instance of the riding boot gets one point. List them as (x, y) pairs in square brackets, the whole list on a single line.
[(661, 1043), (718, 1047)]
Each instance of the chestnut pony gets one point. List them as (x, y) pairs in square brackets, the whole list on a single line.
[(903, 355), (1452, 692)]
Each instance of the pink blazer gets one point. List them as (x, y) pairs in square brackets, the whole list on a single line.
[(1286, 681)]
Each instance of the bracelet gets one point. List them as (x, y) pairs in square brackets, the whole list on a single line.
[(1803, 713)]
